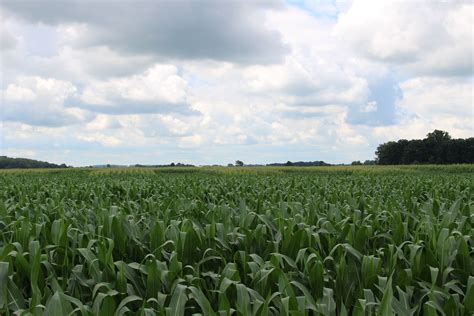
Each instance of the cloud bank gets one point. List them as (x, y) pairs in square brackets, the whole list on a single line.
[(147, 82)]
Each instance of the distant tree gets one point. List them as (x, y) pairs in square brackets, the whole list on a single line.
[(172, 164), (288, 163), (8, 163), (230, 165), (239, 163), (390, 153), (438, 147), (369, 162), (435, 146), (299, 163), (356, 163), (438, 136), (414, 152)]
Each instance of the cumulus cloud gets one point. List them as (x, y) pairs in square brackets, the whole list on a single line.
[(40, 101), (179, 81), (432, 103), (315, 73), (99, 62), (435, 38), (427, 97), (104, 122), (105, 140), (158, 89), (183, 29), (306, 84)]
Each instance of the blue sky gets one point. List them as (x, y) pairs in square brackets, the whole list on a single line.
[(151, 82)]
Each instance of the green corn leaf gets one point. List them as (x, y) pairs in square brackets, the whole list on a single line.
[(203, 302), (3, 284), (122, 307), (309, 300), (386, 303), (243, 300), (178, 301), (469, 298), (57, 306)]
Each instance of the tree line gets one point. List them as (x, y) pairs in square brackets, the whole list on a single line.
[(13, 163), (299, 164), (437, 148)]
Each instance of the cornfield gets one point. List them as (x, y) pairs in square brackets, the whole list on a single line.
[(340, 241)]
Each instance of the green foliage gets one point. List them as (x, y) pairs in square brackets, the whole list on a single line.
[(363, 240), (239, 163), (10, 163), (437, 148)]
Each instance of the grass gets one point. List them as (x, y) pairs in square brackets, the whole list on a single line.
[(360, 240)]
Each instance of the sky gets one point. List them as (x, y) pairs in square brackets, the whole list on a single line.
[(210, 82)]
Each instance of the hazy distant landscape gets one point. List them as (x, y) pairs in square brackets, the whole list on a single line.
[(437, 148)]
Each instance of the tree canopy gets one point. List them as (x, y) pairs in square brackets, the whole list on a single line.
[(10, 163), (437, 148), (239, 163)]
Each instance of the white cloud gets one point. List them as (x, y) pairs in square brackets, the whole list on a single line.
[(103, 122), (98, 62), (175, 125), (316, 72), (17, 93), (40, 101), (191, 141), (433, 97), (30, 88), (184, 29), (432, 103), (157, 89), (104, 140), (349, 136), (77, 87), (17, 152), (423, 36)]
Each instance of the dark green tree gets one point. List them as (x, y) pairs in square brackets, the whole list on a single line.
[(438, 147)]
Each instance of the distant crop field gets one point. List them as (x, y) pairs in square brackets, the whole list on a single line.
[(365, 240)]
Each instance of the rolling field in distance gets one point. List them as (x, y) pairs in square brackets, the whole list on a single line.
[(362, 240)]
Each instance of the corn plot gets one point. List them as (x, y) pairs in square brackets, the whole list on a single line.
[(236, 244)]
